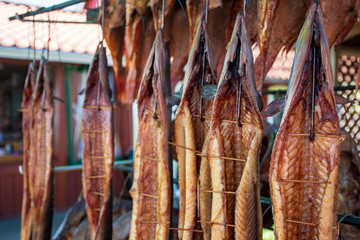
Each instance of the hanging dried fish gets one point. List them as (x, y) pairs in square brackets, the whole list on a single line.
[(234, 144), (114, 32), (191, 127), (26, 123), (151, 185), (135, 41), (266, 11), (286, 22), (73, 217), (304, 164), (41, 164), (98, 154)]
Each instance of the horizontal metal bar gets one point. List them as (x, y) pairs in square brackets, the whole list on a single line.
[(52, 21), (47, 9), (117, 165), (283, 92), (344, 218)]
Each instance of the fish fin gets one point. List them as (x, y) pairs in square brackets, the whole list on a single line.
[(341, 100), (274, 107)]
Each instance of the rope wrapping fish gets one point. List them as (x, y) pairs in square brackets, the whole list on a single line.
[(26, 123), (41, 164), (304, 165), (233, 148), (191, 130), (98, 153), (151, 185)]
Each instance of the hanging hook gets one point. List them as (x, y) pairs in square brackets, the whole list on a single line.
[(48, 43), (162, 15), (103, 20), (206, 11), (34, 59)]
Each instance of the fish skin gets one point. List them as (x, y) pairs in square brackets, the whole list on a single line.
[(152, 177), (26, 123), (114, 36), (266, 11), (74, 216), (287, 22), (298, 158), (41, 164), (242, 142), (98, 206), (190, 131)]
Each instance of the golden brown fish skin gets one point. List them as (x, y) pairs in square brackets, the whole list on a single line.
[(190, 131), (114, 36), (231, 140), (26, 122), (98, 154), (41, 174), (286, 24), (151, 170), (266, 11), (299, 158)]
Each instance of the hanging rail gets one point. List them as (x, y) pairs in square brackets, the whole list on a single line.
[(47, 9)]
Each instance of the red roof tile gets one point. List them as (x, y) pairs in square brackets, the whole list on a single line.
[(78, 38)]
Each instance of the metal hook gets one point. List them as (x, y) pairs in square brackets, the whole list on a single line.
[(202, 83), (154, 110), (103, 20), (239, 87), (312, 132), (206, 11), (162, 15)]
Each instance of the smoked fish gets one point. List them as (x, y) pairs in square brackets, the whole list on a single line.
[(190, 129), (41, 164), (285, 22), (234, 144), (114, 30), (98, 154), (304, 165), (26, 122), (151, 184)]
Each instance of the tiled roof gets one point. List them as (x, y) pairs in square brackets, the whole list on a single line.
[(65, 37)]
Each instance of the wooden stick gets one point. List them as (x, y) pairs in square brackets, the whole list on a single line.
[(95, 177), (98, 193), (225, 158), (216, 223), (97, 107), (190, 149), (97, 157), (317, 135), (184, 229), (94, 131), (152, 159), (224, 120), (44, 108), (213, 191), (304, 181), (299, 222), (41, 149), (148, 195)]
